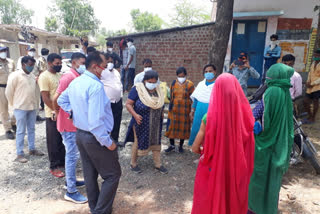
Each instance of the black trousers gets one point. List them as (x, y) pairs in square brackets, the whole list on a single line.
[(56, 150), (117, 115), (98, 160)]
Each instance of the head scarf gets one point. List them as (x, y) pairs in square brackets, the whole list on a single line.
[(224, 170)]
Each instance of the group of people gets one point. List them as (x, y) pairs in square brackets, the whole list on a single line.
[(244, 151)]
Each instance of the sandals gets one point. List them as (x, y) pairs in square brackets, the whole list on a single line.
[(57, 173)]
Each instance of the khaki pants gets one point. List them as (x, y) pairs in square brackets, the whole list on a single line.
[(135, 153), (4, 111)]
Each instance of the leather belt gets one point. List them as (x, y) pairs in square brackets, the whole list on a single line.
[(3, 85)]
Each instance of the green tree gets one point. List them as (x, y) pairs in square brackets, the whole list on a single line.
[(76, 18), (13, 12), (187, 14), (103, 34), (145, 21), (51, 24)]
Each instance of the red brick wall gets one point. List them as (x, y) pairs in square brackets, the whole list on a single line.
[(294, 24), (168, 51)]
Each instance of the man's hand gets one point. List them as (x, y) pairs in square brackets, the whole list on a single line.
[(112, 147), (232, 66), (191, 115), (126, 68), (246, 64), (308, 84)]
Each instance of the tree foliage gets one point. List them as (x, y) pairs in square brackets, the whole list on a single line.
[(75, 18), (13, 12), (145, 21), (103, 34), (187, 14)]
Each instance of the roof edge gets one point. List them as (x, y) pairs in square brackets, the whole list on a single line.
[(157, 32)]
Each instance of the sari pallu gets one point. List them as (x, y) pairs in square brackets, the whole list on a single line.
[(274, 143)]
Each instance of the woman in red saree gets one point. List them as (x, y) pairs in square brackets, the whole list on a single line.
[(226, 164)]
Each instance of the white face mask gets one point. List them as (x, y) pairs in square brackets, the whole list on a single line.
[(110, 66), (147, 69), (81, 69), (110, 49), (3, 55), (129, 44), (182, 79), (151, 86), (45, 57), (31, 53)]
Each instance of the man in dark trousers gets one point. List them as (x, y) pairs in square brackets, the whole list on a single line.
[(92, 116)]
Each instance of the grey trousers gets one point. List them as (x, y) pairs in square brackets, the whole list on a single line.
[(98, 160)]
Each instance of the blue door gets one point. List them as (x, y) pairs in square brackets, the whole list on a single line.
[(249, 36)]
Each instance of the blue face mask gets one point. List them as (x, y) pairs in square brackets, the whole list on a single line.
[(81, 69), (29, 68), (209, 76)]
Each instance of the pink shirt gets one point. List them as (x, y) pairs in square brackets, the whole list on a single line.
[(63, 123), (296, 82)]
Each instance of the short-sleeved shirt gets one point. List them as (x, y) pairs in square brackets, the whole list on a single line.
[(49, 82), (63, 123), (133, 94), (6, 67), (132, 52)]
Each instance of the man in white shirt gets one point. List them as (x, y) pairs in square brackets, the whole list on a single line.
[(111, 80), (296, 80), (22, 93)]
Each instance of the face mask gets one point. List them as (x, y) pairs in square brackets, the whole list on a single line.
[(45, 57), (209, 76), (147, 69), (3, 55), (57, 68), (151, 86), (110, 49), (316, 58), (86, 43), (29, 68), (81, 69), (110, 66), (31, 53), (129, 44), (182, 79)]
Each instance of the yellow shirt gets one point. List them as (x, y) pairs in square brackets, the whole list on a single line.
[(49, 82), (6, 67), (22, 91), (314, 78)]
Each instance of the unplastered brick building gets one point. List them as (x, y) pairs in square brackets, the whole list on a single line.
[(171, 48)]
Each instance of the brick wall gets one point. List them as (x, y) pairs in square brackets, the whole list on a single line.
[(169, 50)]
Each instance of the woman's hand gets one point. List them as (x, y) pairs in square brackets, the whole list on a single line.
[(196, 149), (191, 115), (138, 119)]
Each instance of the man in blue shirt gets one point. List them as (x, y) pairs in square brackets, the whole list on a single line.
[(89, 107), (271, 55)]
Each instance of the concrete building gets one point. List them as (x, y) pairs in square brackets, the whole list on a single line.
[(17, 38), (255, 21)]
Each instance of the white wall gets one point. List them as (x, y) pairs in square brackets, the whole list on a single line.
[(292, 8)]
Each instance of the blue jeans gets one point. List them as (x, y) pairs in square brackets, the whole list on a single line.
[(127, 78), (72, 156), (25, 119)]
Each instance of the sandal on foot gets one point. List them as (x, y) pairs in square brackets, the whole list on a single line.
[(57, 173)]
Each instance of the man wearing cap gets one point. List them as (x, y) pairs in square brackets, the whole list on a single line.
[(115, 57), (36, 71), (6, 67)]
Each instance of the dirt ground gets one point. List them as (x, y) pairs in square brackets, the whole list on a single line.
[(30, 188)]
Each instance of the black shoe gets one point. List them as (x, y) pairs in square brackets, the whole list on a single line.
[(10, 135), (14, 128), (162, 170), (170, 148), (181, 149), (136, 169), (40, 119)]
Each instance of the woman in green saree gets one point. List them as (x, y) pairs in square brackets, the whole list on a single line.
[(273, 144)]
